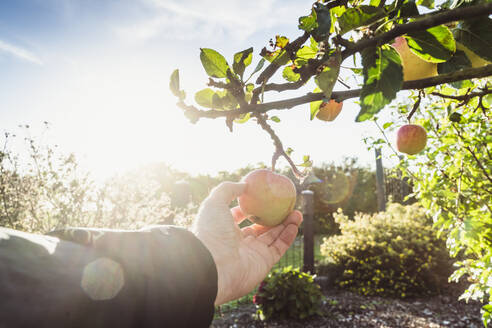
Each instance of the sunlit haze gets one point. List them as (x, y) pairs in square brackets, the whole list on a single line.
[(98, 72)]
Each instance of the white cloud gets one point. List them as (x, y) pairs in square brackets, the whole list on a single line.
[(206, 19), (19, 53)]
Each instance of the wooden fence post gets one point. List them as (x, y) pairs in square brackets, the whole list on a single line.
[(308, 228), (380, 181)]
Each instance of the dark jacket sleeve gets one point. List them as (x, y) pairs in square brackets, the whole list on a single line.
[(157, 277)]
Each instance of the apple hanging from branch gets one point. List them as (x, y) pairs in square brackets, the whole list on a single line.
[(411, 139), (328, 111), (268, 198)]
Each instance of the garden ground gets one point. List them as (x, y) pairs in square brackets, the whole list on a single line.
[(346, 309)]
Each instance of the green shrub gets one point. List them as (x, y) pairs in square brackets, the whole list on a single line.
[(394, 253), (288, 293)]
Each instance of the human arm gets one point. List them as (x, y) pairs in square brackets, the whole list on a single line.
[(159, 276), (243, 256)]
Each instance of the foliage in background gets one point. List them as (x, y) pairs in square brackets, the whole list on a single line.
[(348, 186), (288, 293), (453, 178), (42, 189), (394, 253)]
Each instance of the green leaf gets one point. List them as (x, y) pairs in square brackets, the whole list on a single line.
[(426, 3), (205, 98), (313, 44), (307, 162), (359, 16), (306, 53), (408, 9), (459, 61), (289, 151), (475, 34), (435, 45), (242, 60), (214, 63), (315, 105), (383, 78), (278, 56), (455, 117), (387, 125), (243, 118), (215, 99), (281, 41), (374, 3), (259, 66), (486, 314), (336, 13), (487, 101), (224, 100), (326, 80), (289, 74), (308, 23), (356, 70), (174, 83), (323, 19), (250, 87), (275, 119)]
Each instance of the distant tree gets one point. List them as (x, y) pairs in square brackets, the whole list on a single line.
[(41, 189)]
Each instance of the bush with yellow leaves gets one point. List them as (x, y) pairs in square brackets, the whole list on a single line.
[(394, 253)]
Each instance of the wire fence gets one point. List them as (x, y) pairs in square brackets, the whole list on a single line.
[(397, 188)]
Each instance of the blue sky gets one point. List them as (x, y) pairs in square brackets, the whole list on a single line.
[(98, 71)]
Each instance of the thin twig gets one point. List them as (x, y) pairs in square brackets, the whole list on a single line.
[(279, 149), (343, 83), (466, 97), (479, 163), (284, 86), (386, 138), (473, 154), (415, 106)]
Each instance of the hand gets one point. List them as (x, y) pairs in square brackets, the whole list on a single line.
[(243, 256)]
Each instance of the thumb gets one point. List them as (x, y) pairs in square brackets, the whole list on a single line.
[(214, 223), (225, 193), (214, 214)]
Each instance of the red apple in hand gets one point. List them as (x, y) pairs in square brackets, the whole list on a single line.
[(411, 139), (268, 197), (328, 111)]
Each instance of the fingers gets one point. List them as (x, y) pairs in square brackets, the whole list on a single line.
[(295, 218), (271, 235), (214, 217), (258, 230), (238, 214), (285, 239), (225, 192), (254, 230)]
